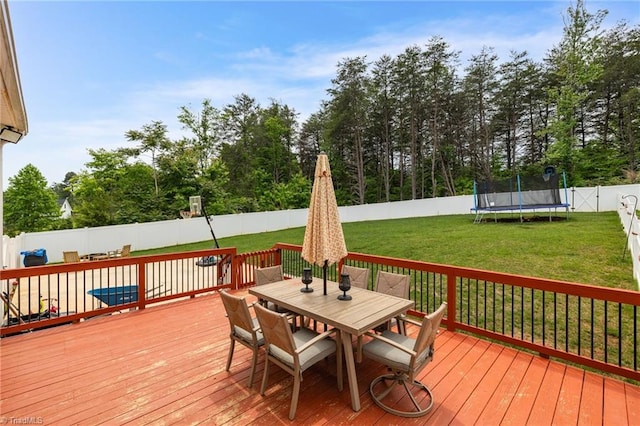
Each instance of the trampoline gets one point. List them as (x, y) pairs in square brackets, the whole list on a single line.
[(519, 194)]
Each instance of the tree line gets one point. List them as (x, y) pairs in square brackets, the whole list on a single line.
[(416, 125)]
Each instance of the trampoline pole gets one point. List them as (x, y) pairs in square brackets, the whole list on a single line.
[(635, 208), (564, 182), (519, 197), (475, 196)]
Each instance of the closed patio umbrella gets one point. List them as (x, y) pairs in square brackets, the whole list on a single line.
[(323, 238)]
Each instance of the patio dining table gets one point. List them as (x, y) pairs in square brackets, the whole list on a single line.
[(94, 256), (366, 310)]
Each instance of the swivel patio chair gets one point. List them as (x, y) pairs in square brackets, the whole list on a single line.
[(294, 352), (359, 276), (394, 285), (244, 329), (405, 357)]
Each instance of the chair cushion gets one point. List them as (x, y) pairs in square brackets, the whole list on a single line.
[(310, 356), (246, 336), (386, 354)]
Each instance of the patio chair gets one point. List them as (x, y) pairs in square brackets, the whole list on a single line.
[(359, 276), (244, 329), (406, 357), (394, 285), (268, 275), (294, 352), (125, 251), (70, 256)]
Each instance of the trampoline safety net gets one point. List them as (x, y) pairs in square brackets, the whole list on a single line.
[(503, 194), (518, 193)]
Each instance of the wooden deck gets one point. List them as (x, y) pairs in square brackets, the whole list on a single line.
[(166, 365)]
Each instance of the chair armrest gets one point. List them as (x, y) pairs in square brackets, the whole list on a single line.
[(410, 321), (313, 341), (392, 343)]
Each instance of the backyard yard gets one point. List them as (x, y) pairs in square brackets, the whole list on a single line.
[(587, 248)]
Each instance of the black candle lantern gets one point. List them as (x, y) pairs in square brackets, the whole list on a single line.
[(345, 286), (307, 279)]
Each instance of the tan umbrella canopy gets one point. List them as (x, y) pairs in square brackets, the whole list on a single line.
[(323, 238)]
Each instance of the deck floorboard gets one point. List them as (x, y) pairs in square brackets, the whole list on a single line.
[(166, 365)]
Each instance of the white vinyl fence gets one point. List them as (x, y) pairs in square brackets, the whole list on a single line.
[(629, 218), (181, 231)]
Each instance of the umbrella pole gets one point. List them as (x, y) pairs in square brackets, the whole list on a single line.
[(324, 277)]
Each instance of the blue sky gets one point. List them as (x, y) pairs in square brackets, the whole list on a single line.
[(91, 71)]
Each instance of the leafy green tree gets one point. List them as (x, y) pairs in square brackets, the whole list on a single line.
[(312, 139), (575, 65), (63, 192), (441, 80), (410, 91), (294, 194), (29, 205), (214, 186), (94, 206), (239, 124), (508, 122), (180, 175), (153, 140), (383, 124), (113, 191), (480, 84), (273, 143), (348, 108), (537, 115), (63, 189), (205, 126), (617, 94)]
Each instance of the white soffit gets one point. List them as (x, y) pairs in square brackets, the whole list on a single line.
[(12, 110)]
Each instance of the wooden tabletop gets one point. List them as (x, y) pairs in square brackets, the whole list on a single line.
[(366, 310)]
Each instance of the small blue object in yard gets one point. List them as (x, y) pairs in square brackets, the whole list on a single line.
[(112, 296), (34, 257)]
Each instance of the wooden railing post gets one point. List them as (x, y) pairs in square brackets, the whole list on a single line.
[(451, 302), (142, 284), (278, 259)]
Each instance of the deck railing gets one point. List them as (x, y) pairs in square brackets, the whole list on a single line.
[(591, 326), (48, 295)]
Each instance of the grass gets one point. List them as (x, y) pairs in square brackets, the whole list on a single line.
[(587, 248)]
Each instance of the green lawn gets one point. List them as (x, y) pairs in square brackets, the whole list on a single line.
[(588, 248)]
